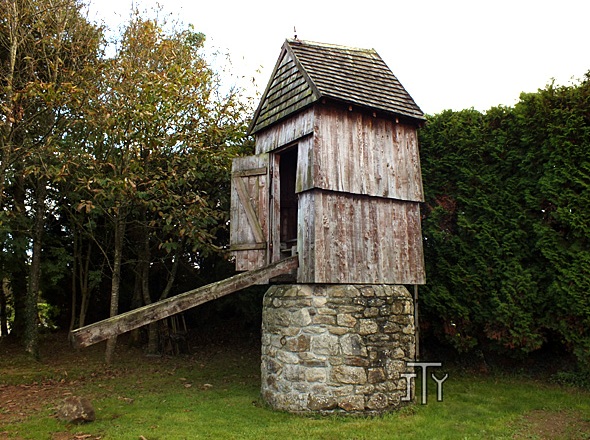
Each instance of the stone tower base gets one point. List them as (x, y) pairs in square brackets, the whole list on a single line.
[(330, 348)]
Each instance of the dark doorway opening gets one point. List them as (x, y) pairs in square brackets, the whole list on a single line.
[(288, 201)]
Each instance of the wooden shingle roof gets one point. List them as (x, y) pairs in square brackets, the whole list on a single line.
[(308, 71)]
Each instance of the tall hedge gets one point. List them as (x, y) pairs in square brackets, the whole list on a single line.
[(507, 224)]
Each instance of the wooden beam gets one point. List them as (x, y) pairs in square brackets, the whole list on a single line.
[(99, 331)]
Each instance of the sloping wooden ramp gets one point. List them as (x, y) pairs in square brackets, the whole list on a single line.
[(108, 328)]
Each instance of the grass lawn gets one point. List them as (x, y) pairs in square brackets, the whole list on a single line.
[(214, 394)]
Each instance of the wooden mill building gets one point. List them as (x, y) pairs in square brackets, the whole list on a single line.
[(336, 176), (332, 200)]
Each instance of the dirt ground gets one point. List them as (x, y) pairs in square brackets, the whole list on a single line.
[(566, 425)]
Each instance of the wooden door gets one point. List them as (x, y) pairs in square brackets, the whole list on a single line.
[(249, 216)]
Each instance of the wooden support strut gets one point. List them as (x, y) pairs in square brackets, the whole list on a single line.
[(99, 331)]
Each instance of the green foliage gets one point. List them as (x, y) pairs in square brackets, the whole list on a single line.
[(580, 379), (506, 223), (142, 138)]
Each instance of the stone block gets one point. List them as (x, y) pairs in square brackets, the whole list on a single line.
[(356, 361), (271, 366), (345, 320), (408, 308), (382, 290), (319, 301), (352, 403), (398, 353), (391, 327), (314, 329), (287, 357), (338, 331), (288, 291), (325, 344), (365, 390), (321, 403), (376, 302), (375, 375), (397, 308), (305, 290), (371, 312), (348, 375), (377, 401), (324, 319), (300, 318), (367, 291), (298, 343), (393, 368), (367, 327), (352, 345), (294, 373), (315, 374), (408, 329), (76, 409)]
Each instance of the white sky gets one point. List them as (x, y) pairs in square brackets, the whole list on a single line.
[(448, 54)]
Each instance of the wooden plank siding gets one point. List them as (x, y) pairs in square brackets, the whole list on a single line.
[(287, 132), (249, 216), (350, 151), (352, 239), (355, 152)]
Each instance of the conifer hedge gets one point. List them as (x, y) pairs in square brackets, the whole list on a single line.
[(506, 224)]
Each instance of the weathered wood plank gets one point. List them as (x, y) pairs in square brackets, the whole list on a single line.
[(99, 331), (249, 208), (249, 211), (359, 153), (275, 209), (253, 172), (285, 133), (355, 239)]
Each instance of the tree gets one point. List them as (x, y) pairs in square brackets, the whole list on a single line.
[(45, 49), (161, 151), (506, 229)]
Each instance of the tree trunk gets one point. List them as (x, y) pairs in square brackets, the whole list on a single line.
[(18, 276), (74, 297), (136, 302), (84, 277), (153, 340), (7, 128), (4, 308), (173, 272), (32, 300), (116, 279)]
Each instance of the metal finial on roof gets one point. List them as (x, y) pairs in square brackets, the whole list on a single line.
[(295, 33)]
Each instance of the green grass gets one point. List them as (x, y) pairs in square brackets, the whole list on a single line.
[(215, 395)]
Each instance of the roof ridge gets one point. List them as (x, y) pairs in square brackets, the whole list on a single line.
[(330, 45)]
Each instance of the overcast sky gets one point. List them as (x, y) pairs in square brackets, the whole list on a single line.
[(448, 54)]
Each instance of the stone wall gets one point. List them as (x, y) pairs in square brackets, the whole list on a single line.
[(330, 348)]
